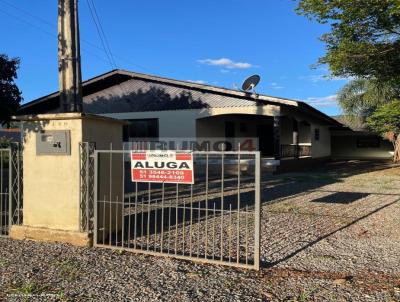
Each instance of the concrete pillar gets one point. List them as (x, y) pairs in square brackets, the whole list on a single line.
[(51, 179), (296, 138), (277, 137)]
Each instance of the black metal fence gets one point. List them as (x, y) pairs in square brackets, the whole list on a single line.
[(295, 151), (11, 201)]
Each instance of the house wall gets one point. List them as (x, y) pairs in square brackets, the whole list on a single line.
[(215, 126), (344, 145), (286, 131), (320, 148), (183, 123), (305, 136), (190, 124), (171, 123)]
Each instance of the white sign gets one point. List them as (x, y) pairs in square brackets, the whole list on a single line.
[(162, 166)]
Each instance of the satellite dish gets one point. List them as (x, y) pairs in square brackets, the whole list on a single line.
[(251, 82)]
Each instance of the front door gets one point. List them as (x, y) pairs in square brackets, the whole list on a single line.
[(265, 134)]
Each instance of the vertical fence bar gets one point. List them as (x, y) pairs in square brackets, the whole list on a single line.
[(191, 221), (95, 198), (184, 226), (222, 204), (257, 212), (10, 189), (128, 243), (206, 244), (230, 233), (110, 197), (213, 247), (155, 206), (123, 200), (148, 218), (246, 235), (142, 224), (162, 217), (169, 225), (2, 195), (136, 216), (116, 218), (87, 175), (176, 218), (18, 186), (238, 211)]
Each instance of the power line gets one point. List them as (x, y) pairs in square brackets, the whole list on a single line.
[(100, 32), (53, 25), (109, 59), (45, 31)]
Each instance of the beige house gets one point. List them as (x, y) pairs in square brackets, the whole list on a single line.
[(159, 108)]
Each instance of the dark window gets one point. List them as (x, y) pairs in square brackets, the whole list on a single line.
[(229, 129), (316, 134), (141, 128), (243, 127), (368, 142)]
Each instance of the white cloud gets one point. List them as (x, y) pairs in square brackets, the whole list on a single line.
[(197, 81), (276, 86), (226, 63), (316, 78), (330, 100)]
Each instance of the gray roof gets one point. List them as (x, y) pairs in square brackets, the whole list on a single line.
[(140, 95), (125, 91)]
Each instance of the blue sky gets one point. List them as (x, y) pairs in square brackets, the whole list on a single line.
[(214, 42)]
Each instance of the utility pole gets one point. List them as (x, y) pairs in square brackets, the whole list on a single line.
[(69, 58)]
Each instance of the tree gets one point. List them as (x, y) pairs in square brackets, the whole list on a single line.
[(386, 121), (364, 40), (10, 95), (361, 97), (364, 43)]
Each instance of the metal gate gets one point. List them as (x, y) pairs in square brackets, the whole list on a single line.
[(215, 220), (10, 187)]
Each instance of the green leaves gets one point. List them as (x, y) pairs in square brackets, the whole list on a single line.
[(364, 40), (362, 97), (10, 95), (386, 119)]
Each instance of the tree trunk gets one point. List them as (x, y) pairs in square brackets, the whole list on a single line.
[(396, 144)]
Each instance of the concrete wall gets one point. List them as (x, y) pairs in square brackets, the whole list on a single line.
[(171, 123), (189, 124), (305, 136), (215, 126), (344, 145), (182, 123), (52, 182), (322, 147)]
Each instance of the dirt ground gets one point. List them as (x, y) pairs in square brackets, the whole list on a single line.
[(330, 234)]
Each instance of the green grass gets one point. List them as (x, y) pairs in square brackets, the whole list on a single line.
[(25, 290), (69, 270), (3, 262)]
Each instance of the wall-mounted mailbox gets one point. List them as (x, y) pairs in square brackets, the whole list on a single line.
[(57, 142)]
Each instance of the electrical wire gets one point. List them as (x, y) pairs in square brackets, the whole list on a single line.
[(110, 58), (101, 34), (53, 25)]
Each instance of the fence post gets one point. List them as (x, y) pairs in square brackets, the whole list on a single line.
[(257, 211), (95, 189), (10, 192)]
